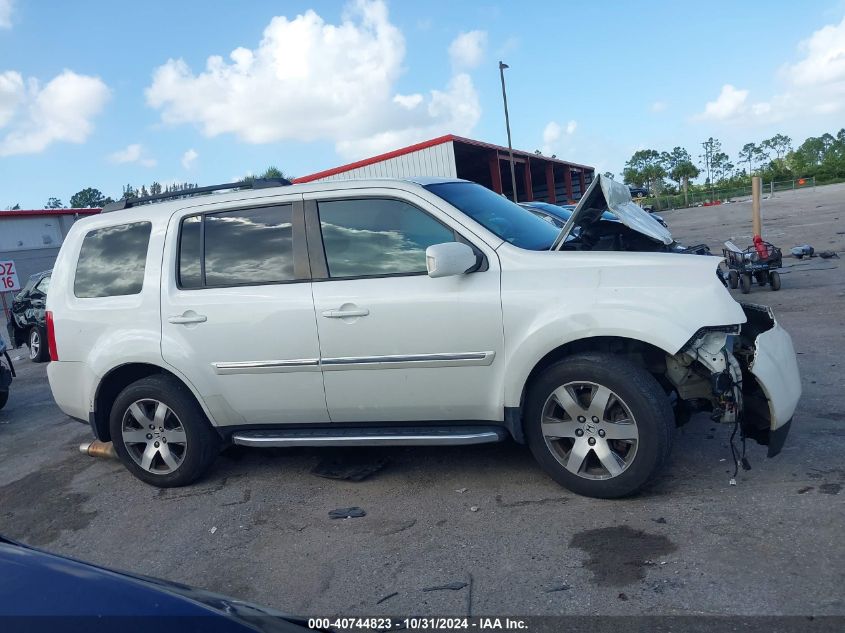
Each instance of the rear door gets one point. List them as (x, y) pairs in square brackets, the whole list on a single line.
[(397, 345), (237, 312)]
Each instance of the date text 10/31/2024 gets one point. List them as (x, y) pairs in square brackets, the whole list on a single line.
[(420, 623)]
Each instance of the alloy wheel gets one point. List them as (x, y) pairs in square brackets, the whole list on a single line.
[(590, 430), (154, 436), (34, 344)]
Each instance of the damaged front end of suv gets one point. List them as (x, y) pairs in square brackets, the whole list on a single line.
[(745, 375)]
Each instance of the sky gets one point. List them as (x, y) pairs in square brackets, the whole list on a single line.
[(102, 93)]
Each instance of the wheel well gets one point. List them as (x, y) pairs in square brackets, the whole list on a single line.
[(651, 357), (110, 387)]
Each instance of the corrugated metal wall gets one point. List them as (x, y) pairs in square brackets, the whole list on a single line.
[(436, 161)]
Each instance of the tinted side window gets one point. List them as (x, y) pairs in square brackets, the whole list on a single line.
[(111, 261), (234, 248), (377, 237)]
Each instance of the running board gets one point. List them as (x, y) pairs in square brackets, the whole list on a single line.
[(369, 436)]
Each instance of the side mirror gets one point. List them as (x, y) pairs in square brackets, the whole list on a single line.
[(450, 258)]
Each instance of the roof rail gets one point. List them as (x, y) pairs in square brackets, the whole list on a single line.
[(257, 183)]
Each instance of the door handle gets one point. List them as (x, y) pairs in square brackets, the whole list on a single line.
[(188, 318), (341, 314)]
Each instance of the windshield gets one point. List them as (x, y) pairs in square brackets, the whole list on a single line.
[(498, 215)]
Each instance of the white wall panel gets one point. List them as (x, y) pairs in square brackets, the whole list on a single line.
[(437, 161)]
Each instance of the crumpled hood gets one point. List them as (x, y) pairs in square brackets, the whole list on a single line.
[(605, 194)]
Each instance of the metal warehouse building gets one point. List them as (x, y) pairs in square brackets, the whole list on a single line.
[(537, 177), (32, 238)]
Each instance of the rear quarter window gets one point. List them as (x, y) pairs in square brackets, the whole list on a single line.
[(112, 261)]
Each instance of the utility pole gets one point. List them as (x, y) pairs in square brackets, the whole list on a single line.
[(502, 67)]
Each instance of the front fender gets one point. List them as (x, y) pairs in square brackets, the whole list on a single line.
[(549, 336)]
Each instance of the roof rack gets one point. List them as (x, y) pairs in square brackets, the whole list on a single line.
[(257, 183)]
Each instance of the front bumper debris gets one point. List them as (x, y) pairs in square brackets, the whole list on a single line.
[(746, 374)]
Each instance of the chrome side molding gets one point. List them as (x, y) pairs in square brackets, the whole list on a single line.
[(464, 359)]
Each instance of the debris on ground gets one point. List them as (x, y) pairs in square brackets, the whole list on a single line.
[(473, 508), (452, 586), (461, 490), (828, 254), (387, 597), (558, 588), (805, 250), (623, 596), (347, 513), (659, 520), (213, 529), (349, 466)]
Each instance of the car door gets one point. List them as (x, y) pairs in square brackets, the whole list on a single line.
[(237, 312), (395, 344)]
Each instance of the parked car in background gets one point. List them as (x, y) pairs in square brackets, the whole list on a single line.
[(638, 192), (445, 314), (7, 372), (27, 323), (612, 233)]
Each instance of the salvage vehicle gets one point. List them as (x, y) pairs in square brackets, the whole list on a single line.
[(400, 312), (27, 323), (36, 586), (7, 372)]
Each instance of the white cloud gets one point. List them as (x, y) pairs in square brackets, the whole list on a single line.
[(189, 157), (824, 58), (36, 116), (467, 50), (309, 80), (658, 106), (729, 104), (408, 101), (5, 14), (133, 153), (553, 135), (812, 85)]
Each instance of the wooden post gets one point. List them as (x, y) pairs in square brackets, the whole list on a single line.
[(529, 185), (756, 220), (495, 173), (583, 182), (567, 181), (550, 183)]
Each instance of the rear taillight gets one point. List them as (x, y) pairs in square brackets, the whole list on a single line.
[(51, 337)]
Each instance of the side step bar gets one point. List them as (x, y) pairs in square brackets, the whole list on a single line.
[(370, 436)]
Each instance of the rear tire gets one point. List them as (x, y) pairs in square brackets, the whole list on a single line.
[(745, 283), (161, 434), (774, 280), (762, 278), (615, 456), (733, 279), (37, 342)]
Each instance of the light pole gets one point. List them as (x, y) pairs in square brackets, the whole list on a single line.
[(502, 67)]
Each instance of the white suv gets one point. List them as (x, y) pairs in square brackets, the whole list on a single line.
[(399, 312)]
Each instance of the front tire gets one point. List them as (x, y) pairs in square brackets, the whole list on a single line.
[(598, 424), (774, 280), (745, 283), (37, 342), (161, 434), (733, 279)]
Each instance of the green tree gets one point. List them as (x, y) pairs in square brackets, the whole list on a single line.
[(671, 160), (711, 147), (780, 144), (88, 198), (155, 188), (752, 153), (645, 168), (54, 203), (608, 175), (682, 173), (16, 207), (274, 173), (129, 192)]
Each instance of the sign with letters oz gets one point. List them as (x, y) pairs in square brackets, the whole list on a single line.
[(8, 277)]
